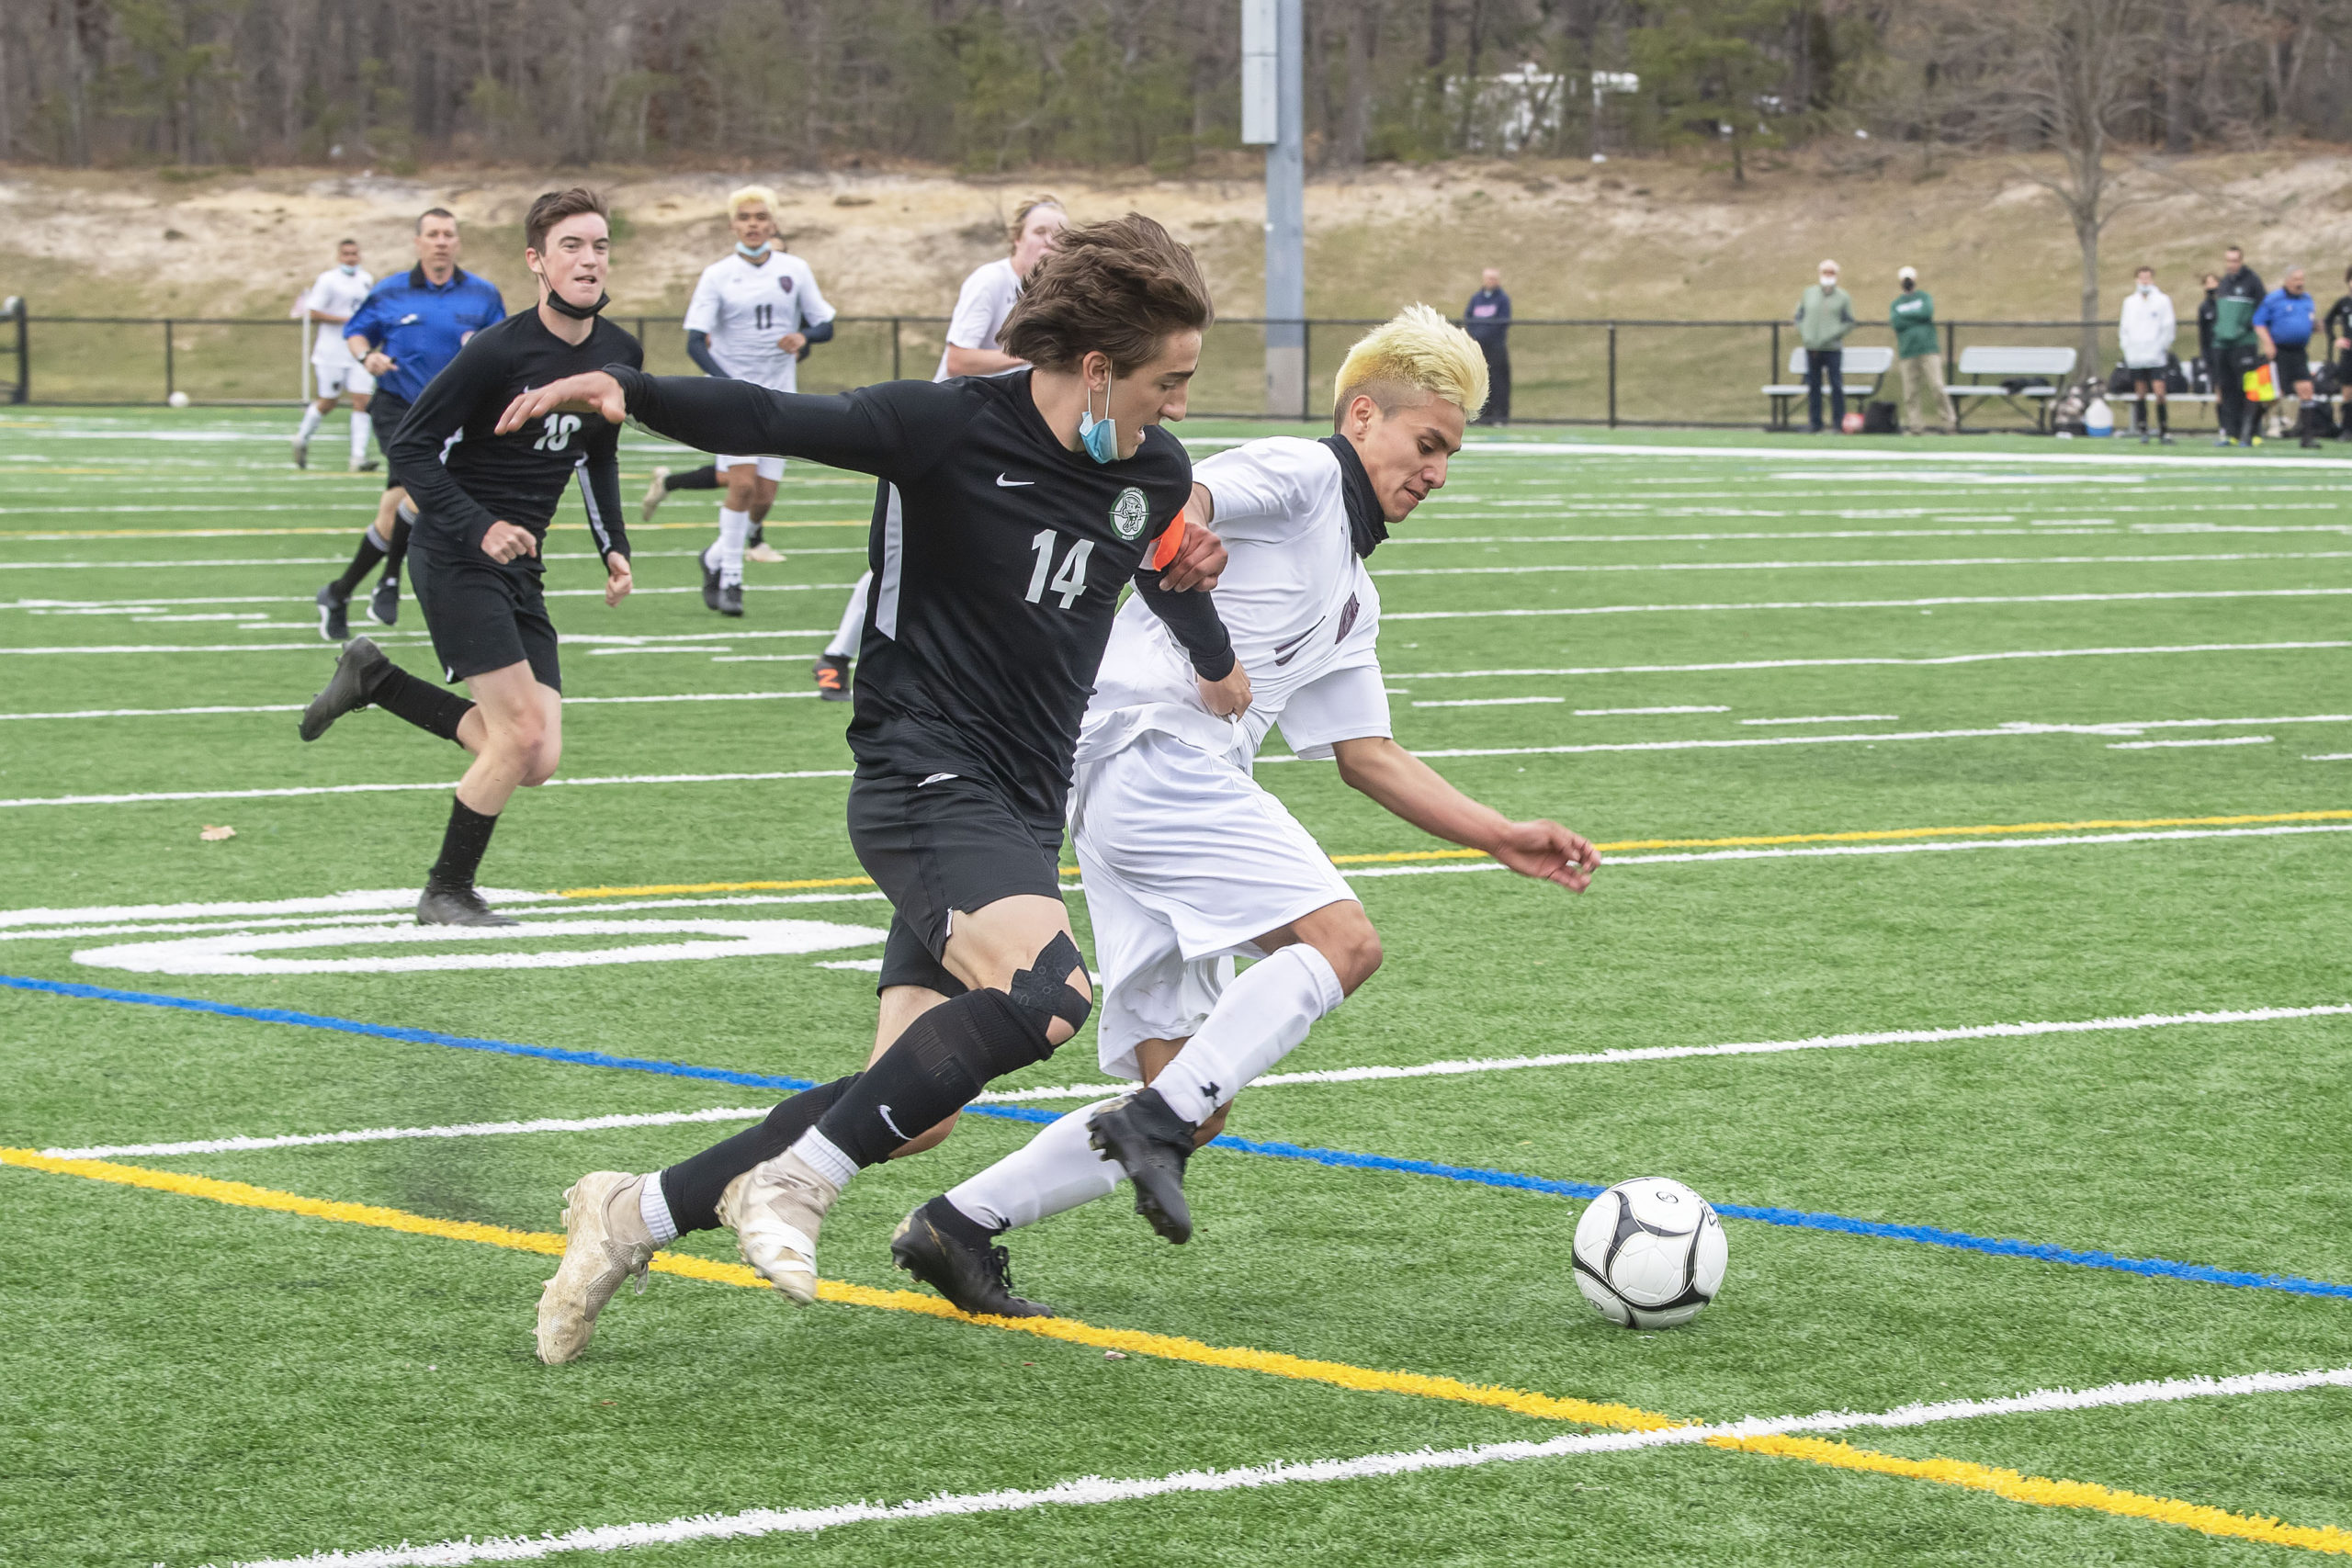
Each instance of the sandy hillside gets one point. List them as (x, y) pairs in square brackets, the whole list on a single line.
[(1634, 238)]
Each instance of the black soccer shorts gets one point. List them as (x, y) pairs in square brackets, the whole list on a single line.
[(2293, 364), (935, 843), (483, 615)]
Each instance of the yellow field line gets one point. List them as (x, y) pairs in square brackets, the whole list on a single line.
[(1865, 835), (2042, 1491), (2047, 1492)]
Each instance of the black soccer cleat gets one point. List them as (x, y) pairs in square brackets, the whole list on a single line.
[(832, 678), (458, 906), (356, 675), (940, 1246), (709, 584), (384, 604), (1151, 1144), (334, 613), (730, 600)]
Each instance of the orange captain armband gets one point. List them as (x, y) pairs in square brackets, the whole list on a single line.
[(1171, 539)]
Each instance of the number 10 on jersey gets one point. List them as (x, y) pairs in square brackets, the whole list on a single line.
[(1070, 581)]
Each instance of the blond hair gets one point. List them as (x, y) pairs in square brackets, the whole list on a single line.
[(1417, 354), (739, 199), (1020, 215)]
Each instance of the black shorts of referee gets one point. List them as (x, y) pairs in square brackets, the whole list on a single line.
[(483, 614), (937, 842), (2293, 364)]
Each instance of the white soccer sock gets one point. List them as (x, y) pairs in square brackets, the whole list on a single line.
[(311, 417), (358, 435), (653, 1208), (853, 627), (734, 527), (824, 1156), (1052, 1173), (1264, 1012)]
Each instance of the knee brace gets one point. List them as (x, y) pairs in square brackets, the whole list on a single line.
[(1042, 993)]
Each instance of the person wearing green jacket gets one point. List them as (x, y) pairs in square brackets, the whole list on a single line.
[(1913, 317), (1825, 315)]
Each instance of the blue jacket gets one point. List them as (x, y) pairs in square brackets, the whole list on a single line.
[(421, 325), (1488, 317), (2288, 317)]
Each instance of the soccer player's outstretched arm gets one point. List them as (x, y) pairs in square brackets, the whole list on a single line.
[(876, 430), (1420, 794)]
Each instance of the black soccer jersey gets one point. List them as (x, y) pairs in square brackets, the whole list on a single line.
[(998, 555), (464, 477)]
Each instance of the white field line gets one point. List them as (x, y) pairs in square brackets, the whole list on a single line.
[(2018, 728), (1474, 1065), (524, 913), (1963, 466), (2330, 757), (1489, 702), (296, 708), (1831, 851), (1837, 565), (125, 606), (2168, 745), (1938, 601), (1830, 718), (340, 561), (395, 1134), (1685, 707), (1844, 664), (321, 646), (1093, 1490)]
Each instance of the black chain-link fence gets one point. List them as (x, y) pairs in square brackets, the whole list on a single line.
[(1621, 373)]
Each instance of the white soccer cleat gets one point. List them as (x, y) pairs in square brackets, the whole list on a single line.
[(655, 495), (774, 1208), (605, 1241)]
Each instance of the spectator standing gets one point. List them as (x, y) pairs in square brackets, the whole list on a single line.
[(1913, 316), (2237, 294), (2205, 312), (1825, 315), (2146, 330), (2338, 328), (1487, 321), (2283, 324)]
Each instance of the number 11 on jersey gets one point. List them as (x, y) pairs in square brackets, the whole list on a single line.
[(1070, 581)]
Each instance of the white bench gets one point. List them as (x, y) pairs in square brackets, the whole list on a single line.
[(1872, 362), (2004, 363)]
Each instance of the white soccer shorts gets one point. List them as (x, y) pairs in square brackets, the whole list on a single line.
[(1186, 859), (770, 468), (335, 380)]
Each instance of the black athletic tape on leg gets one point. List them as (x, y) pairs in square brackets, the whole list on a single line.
[(693, 1187), (1041, 991)]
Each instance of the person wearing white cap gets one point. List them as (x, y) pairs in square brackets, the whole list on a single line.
[(1913, 317)]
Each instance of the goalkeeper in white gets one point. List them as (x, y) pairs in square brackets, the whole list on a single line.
[(1188, 862)]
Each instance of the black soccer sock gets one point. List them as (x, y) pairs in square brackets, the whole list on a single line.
[(362, 563), (693, 1187), (423, 703), (2139, 412), (703, 477), (462, 846), (399, 552), (938, 1066), (2163, 415)]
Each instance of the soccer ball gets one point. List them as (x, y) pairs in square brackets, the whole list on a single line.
[(177, 400), (1649, 1253), (1851, 424)]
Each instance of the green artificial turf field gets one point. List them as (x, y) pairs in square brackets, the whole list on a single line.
[(1889, 744)]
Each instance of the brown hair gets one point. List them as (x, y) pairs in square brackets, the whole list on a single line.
[(1119, 288), (434, 212), (553, 207)]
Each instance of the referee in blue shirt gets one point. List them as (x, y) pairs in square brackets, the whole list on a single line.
[(2282, 323), (404, 331)]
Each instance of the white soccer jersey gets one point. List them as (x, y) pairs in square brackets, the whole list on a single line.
[(745, 309), (1302, 611), (987, 299), (338, 293)]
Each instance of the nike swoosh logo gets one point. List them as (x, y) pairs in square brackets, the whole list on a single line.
[(1012, 484), (885, 1112)]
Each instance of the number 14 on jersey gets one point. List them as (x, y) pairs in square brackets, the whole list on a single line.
[(1070, 581)]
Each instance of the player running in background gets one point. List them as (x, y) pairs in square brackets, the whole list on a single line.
[(1221, 869), (335, 374), (753, 316), (1011, 514), (484, 499), (981, 306), (404, 333)]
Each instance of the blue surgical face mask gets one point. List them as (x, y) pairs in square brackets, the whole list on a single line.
[(348, 269), (1099, 436), (750, 255)]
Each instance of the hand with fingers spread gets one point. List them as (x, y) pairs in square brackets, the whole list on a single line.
[(505, 542), (1548, 853), (592, 391)]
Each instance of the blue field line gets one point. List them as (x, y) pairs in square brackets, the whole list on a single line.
[(1797, 1219)]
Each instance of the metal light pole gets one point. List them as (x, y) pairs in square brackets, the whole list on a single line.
[(1273, 115)]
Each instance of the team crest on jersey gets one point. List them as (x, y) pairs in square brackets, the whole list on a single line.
[(785, 283), (1130, 513)]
